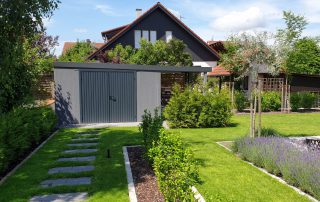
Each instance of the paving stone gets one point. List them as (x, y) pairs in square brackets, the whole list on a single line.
[(76, 151), (85, 139), (74, 169), (86, 134), (70, 197), (66, 182), (77, 159), (82, 144)]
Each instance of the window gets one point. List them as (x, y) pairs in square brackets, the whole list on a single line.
[(168, 36), (145, 35), (153, 36), (137, 38)]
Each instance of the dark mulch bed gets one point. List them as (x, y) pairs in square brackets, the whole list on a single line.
[(144, 178)]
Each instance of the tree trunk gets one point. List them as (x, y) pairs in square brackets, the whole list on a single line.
[(259, 109), (254, 115), (251, 114)]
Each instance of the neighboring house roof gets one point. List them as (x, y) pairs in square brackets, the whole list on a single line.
[(111, 32), (219, 71), (68, 45), (120, 31), (217, 46)]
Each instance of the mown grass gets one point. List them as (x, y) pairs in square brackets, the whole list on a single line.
[(225, 176), (109, 177)]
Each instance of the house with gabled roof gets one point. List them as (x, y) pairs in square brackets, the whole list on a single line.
[(158, 23)]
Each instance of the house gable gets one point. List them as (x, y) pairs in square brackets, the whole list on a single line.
[(159, 19)]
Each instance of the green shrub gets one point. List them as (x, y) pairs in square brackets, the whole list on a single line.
[(150, 127), (267, 132), (304, 100), (172, 162), (216, 110), (271, 101), (198, 106), (174, 167), (307, 100), (21, 130), (295, 101), (241, 101)]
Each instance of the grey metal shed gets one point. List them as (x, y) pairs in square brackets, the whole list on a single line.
[(108, 93)]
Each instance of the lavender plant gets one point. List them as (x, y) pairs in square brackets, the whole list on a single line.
[(280, 156)]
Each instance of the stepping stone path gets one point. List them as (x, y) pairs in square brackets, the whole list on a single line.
[(79, 151), (75, 169), (82, 144), (70, 197), (78, 159), (87, 140)]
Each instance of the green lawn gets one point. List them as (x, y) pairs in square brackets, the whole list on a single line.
[(109, 177), (225, 177)]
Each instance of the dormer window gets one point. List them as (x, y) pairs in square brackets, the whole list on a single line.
[(144, 34), (168, 36), (137, 38)]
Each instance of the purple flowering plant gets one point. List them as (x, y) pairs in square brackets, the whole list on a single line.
[(296, 164)]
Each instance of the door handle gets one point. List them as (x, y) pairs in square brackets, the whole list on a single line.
[(112, 98)]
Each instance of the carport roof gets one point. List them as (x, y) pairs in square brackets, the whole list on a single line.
[(128, 67)]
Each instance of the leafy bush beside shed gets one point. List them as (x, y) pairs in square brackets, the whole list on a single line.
[(21, 130), (198, 107)]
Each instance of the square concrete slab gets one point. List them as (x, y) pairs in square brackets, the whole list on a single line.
[(70, 197), (78, 151), (77, 159), (82, 144), (86, 134), (85, 139), (74, 169), (66, 182)]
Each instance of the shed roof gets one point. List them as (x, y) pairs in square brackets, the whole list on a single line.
[(129, 67)]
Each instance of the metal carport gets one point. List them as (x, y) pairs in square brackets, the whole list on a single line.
[(109, 93)]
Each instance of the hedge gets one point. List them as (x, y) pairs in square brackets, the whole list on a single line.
[(304, 100), (172, 162), (21, 130), (198, 107), (241, 101), (271, 101)]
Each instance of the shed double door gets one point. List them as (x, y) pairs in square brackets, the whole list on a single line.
[(107, 97)]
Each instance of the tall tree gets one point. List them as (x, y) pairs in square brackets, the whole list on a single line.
[(19, 21), (305, 57), (287, 37)]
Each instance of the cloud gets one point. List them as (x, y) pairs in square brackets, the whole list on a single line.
[(313, 8), (48, 22), (236, 21), (80, 30), (105, 9)]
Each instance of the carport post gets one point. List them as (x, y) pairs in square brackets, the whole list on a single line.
[(205, 77)]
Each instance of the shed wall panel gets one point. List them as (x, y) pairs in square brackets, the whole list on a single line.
[(148, 92), (67, 105)]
